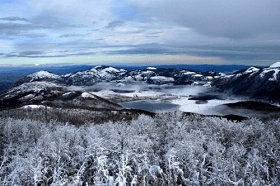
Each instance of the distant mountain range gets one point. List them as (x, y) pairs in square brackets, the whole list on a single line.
[(150, 75), (9, 75), (65, 69), (44, 86)]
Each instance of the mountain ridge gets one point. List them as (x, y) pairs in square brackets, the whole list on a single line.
[(254, 82)]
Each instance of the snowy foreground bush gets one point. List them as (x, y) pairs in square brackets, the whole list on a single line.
[(166, 150)]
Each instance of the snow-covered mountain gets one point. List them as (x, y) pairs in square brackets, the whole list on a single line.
[(260, 83), (150, 75), (53, 94), (45, 87)]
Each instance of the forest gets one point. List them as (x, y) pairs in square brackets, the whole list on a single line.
[(162, 149)]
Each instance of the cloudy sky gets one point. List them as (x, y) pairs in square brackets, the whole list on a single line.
[(140, 32)]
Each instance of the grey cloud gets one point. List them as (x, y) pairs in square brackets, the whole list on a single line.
[(238, 54), (14, 18), (35, 56), (69, 35), (235, 19), (39, 54), (155, 33), (114, 24), (84, 54), (262, 55), (52, 22), (15, 29), (33, 35), (144, 50), (148, 48), (30, 53), (11, 29), (73, 35)]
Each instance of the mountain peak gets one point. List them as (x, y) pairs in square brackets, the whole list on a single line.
[(151, 68), (252, 69), (275, 65), (43, 74)]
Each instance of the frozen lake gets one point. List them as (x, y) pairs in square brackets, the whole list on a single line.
[(152, 106)]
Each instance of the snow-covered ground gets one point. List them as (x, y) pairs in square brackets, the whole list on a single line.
[(87, 95), (34, 107), (174, 94), (275, 65), (206, 109), (139, 94)]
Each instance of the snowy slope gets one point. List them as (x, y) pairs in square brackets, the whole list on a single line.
[(275, 65), (42, 75), (48, 93), (253, 82)]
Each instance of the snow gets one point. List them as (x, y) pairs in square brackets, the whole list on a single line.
[(221, 74), (34, 107), (109, 72), (97, 74), (140, 94), (150, 94), (35, 86), (138, 77), (151, 68), (38, 98), (148, 72), (251, 69), (195, 83), (127, 79), (209, 78), (111, 69), (275, 65), (75, 88), (162, 78), (189, 73), (274, 75), (274, 78), (208, 84), (67, 75), (190, 105), (88, 73), (43, 74), (197, 75), (237, 76), (27, 97), (228, 76), (87, 95), (67, 93)]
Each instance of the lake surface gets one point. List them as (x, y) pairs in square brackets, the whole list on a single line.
[(149, 105)]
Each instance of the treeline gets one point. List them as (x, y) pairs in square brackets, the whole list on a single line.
[(73, 115), (168, 149)]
